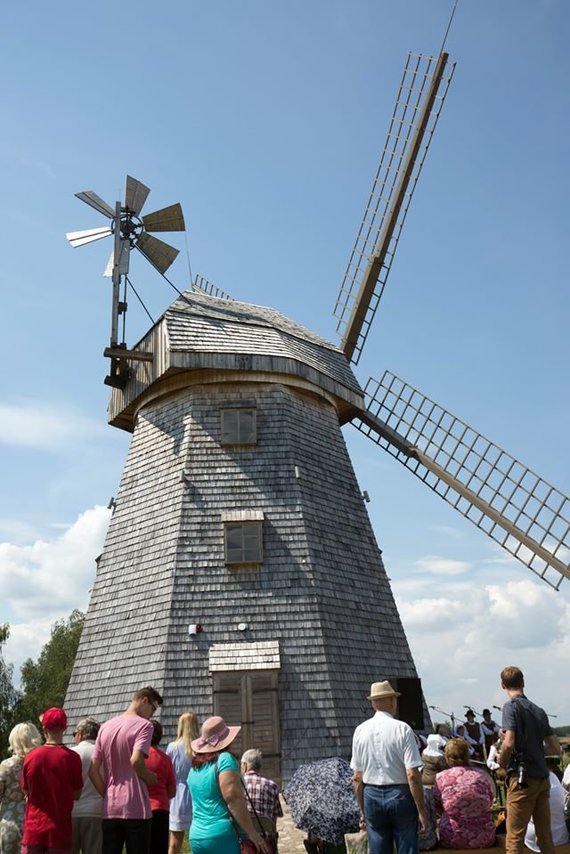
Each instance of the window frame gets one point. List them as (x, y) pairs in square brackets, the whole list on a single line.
[(239, 439), (238, 522)]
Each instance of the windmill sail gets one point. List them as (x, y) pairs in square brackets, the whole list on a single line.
[(513, 505), (423, 88)]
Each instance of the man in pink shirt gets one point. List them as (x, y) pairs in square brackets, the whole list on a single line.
[(120, 775)]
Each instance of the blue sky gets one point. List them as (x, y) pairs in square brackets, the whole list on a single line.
[(266, 122)]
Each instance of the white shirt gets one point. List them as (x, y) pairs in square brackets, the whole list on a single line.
[(435, 745), (557, 821), (493, 758), (382, 749), (90, 803)]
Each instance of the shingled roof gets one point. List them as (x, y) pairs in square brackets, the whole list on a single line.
[(200, 332)]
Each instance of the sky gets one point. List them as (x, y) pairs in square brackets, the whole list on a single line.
[(266, 121)]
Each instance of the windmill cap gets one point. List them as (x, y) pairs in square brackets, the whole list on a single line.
[(382, 690)]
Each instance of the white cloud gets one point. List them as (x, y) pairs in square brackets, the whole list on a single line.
[(426, 615), (50, 578), (463, 630), (37, 425), (26, 641), (43, 582), (448, 531), (442, 566), (15, 529)]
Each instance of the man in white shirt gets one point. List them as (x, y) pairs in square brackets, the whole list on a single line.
[(86, 817), (386, 775)]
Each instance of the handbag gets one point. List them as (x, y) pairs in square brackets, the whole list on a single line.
[(246, 846)]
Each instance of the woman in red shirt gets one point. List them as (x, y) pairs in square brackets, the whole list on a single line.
[(160, 792)]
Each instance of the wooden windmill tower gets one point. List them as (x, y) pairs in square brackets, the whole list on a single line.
[(240, 573)]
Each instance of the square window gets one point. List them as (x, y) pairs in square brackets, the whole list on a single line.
[(243, 542), (239, 427)]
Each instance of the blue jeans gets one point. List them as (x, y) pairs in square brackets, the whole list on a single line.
[(391, 819)]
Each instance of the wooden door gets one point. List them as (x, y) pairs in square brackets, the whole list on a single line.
[(249, 699)]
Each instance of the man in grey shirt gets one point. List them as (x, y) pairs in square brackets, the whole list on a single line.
[(527, 736)]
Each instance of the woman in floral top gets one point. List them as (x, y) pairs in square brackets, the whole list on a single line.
[(463, 797), (22, 739)]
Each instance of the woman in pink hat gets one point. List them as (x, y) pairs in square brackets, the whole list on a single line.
[(220, 818)]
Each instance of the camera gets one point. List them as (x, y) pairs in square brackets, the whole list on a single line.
[(521, 774)]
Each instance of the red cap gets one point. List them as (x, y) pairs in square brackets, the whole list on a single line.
[(54, 719)]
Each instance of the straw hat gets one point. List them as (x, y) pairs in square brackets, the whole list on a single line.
[(215, 735), (382, 690)]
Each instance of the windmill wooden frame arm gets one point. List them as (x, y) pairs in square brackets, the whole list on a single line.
[(423, 88), (514, 506)]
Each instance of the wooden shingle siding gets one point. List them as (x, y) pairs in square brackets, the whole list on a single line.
[(321, 595)]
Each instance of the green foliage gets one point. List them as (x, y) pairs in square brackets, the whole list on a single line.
[(562, 730), (8, 694), (45, 681)]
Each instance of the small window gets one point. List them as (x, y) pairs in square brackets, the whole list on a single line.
[(238, 427), (243, 542)]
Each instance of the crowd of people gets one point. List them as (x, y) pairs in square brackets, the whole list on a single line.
[(420, 794), (116, 790)]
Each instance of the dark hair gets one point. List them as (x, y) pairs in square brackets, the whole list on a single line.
[(512, 677), (157, 732), (148, 693), (200, 759)]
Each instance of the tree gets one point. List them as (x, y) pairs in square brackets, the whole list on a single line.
[(8, 694), (45, 681)]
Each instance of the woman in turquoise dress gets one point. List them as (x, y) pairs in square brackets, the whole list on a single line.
[(219, 812)]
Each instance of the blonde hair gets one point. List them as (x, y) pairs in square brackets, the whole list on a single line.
[(188, 730), (23, 738), (456, 752)]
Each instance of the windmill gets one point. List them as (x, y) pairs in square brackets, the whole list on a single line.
[(240, 573), (129, 230)]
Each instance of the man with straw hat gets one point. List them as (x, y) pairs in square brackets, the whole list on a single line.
[(387, 779)]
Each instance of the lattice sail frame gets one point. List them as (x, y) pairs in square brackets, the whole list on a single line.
[(203, 285), (423, 88), (509, 502)]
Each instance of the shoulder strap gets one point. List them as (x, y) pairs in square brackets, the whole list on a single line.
[(248, 796), (234, 824), (520, 718)]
